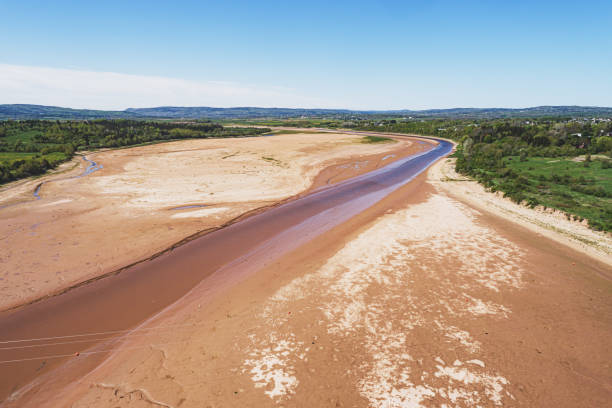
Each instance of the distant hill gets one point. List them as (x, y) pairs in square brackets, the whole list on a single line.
[(538, 111), (22, 111), (232, 113)]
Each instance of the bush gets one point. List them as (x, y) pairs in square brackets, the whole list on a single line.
[(533, 202)]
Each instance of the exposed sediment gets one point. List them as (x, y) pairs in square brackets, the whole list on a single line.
[(87, 227), (422, 299)]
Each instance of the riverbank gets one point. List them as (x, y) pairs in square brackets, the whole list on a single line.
[(545, 222)]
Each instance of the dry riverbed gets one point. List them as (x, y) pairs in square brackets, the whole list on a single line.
[(145, 199), (425, 299)]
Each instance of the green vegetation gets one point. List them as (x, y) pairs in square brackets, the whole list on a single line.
[(274, 161), (532, 161), (376, 139), (31, 147), (14, 165), (533, 164), (585, 192)]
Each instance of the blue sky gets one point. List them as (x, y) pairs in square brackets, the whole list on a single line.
[(360, 55)]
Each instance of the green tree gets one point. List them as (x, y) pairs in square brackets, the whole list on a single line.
[(467, 147)]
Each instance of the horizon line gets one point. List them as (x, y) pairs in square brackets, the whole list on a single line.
[(310, 108)]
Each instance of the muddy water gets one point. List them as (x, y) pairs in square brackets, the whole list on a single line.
[(122, 301), (91, 167), (37, 191), (187, 207)]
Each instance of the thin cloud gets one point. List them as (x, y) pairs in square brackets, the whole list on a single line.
[(110, 90)]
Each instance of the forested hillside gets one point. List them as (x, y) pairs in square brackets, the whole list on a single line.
[(24, 111), (31, 147)]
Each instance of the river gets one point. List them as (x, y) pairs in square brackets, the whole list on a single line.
[(122, 301)]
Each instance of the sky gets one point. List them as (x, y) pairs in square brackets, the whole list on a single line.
[(312, 54)]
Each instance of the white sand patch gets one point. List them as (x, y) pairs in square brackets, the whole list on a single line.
[(265, 169), (477, 362), (204, 212), (366, 289), (478, 307), (493, 385), (63, 201), (387, 381), (461, 336), (269, 367)]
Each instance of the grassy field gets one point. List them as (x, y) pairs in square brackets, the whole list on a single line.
[(25, 136), (567, 185), (10, 157), (376, 139)]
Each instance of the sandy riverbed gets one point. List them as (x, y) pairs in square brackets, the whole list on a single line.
[(425, 299), (422, 300), (147, 198)]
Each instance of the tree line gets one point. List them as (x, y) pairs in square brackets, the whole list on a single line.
[(516, 157), (31, 147)]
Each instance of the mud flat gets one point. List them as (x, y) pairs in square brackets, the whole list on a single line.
[(419, 300), (400, 306), (113, 305), (146, 199)]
